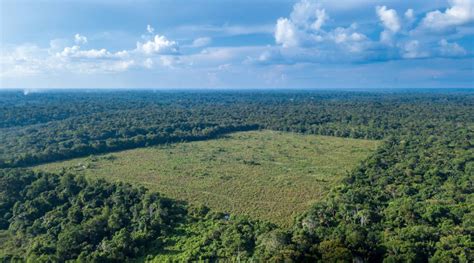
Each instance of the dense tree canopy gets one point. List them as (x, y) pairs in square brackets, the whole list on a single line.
[(412, 200), (66, 217), (44, 127)]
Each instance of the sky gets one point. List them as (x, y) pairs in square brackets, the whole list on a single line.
[(248, 44)]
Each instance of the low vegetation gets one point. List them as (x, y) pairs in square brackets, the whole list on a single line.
[(264, 174)]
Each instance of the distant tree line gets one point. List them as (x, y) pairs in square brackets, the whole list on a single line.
[(53, 126)]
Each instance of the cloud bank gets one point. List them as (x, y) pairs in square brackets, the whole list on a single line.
[(312, 34), (305, 37)]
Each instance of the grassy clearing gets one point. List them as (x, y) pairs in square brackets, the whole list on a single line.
[(264, 174)]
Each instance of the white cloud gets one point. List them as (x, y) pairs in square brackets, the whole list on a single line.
[(321, 17), (23, 60), (303, 11), (101, 60), (286, 33), (150, 29), (389, 18), (76, 52), (29, 60), (349, 39), (451, 49), (409, 17), (390, 21), (304, 30), (304, 40), (342, 35), (460, 12), (307, 13), (158, 45), (412, 49), (409, 14), (79, 39), (306, 36), (201, 42)]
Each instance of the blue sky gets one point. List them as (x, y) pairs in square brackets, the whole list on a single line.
[(237, 44)]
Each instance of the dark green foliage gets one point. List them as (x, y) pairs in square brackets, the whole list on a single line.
[(68, 217), (64, 217), (50, 126), (411, 201)]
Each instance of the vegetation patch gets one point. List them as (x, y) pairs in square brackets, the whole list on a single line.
[(66, 218), (263, 174)]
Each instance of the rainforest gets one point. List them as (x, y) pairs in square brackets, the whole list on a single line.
[(259, 176)]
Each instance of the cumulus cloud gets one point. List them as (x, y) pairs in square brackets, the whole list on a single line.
[(389, 18), (308, 14), (351, 40), (286, 33), (390, 21), (304, 28), (79, 39), (451, 49), (343, 35), (304, 36), (76, 52), (307, 35), (32, 60), (61, 57), (460, 12), (158, 45)]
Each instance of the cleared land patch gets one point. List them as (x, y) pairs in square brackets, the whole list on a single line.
[(264, 174)]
